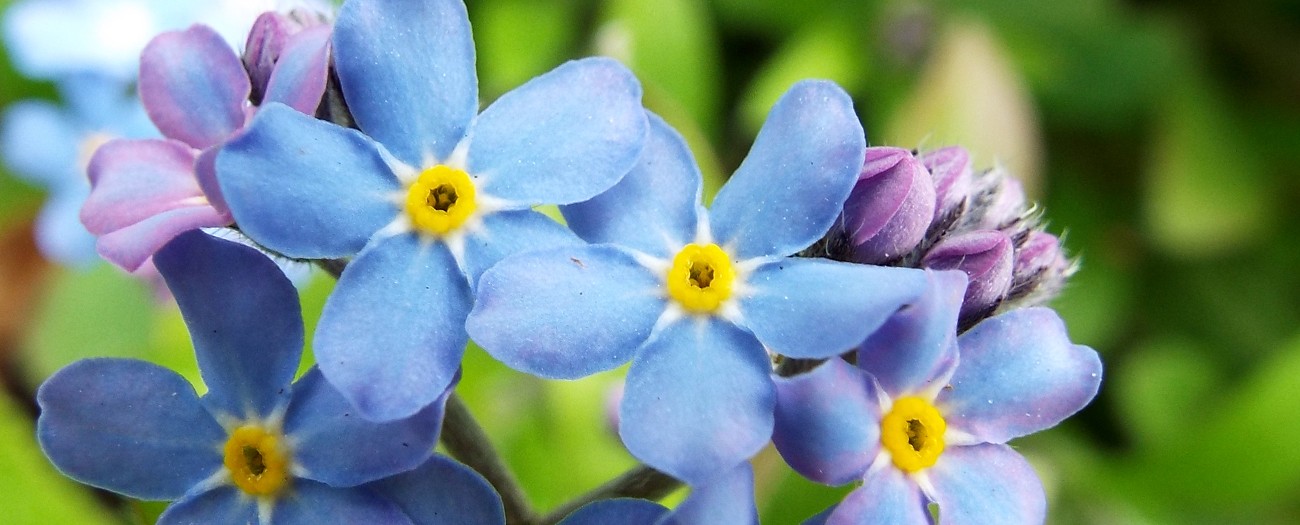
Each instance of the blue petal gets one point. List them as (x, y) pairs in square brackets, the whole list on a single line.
[(443, 492), (59, 232), (392, 334), (724, 500), (827, 423), (341, 449), (40, 143), (655, 208), (225, 504), (623, 511), (565, 313), (407, 72), (887, 496), (107, 422), (1018, 374), (314, 503), (304, 187), (698, 400), (563, 137), (791, 187), (918, 342), (987, 485), (244, 319), (816, 308), (510, 232)]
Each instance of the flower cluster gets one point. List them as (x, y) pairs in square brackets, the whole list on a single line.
[(359, 143)]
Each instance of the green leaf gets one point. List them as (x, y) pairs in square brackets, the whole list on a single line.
[(520, 39), (829, 49), (97, 312), (33, 492), (1236, 450), (1207, 190), (671, 47)]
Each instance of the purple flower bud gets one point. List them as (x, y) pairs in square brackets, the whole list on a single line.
[(1003, 202), (986, 257), (1041, 252), (613, 399), (890, 208), (950, 168), (266, 40)]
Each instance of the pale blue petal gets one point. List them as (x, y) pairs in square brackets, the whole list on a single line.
[(40, 143), (791, 187), (304, 187), (887, 496), (106, 422), (698, 401), (987, 485), (918, 342), (225, 504), (243, 317), (392, 334), (510, 232), (817, 308), (566, 313), (407, 72), (338, 447), (827, 423), (725, 500), (313, 503), (443, 492), (1019, 374), (623, 511), (563, 137), (655, 208), (819, 518), (193, 86)]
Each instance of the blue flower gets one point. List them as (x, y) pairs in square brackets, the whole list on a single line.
[(437, 196), (691, 297), (725, 500), (51, 146), (916, 426), (257, 448)]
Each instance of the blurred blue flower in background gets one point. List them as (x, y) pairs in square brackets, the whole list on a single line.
[(50, 146)]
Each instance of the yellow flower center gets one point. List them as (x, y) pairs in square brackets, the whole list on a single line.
[(440, 200), (258, 460), (701, 278), (912, 432)]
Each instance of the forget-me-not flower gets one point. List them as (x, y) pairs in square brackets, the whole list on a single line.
[(432, 194), (726, 500), (695, 298), (51, 146), (927, 414), (196, 90), (257, 447)]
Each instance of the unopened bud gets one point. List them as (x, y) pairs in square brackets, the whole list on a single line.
[(987, 257), (890, 208), (266, 40), (951, 171)]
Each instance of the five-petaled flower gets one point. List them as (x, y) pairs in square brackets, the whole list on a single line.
[(258, 447), (918, 426), (693, 297), (431, 195)]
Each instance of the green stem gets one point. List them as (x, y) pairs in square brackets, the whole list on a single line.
[(466, 441)]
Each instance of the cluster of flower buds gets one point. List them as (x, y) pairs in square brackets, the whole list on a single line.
[(932, 210)]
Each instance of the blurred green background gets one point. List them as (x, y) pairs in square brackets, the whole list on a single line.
[(1162, 138)]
